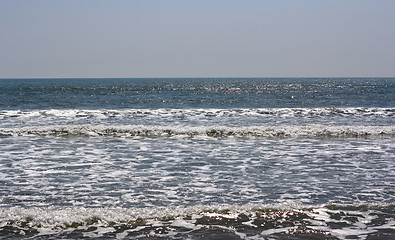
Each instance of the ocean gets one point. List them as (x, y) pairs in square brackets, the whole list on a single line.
[(226, 158)]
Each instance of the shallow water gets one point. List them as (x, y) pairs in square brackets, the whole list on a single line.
[(152, 172)]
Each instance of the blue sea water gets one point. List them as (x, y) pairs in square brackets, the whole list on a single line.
[(227, 158)]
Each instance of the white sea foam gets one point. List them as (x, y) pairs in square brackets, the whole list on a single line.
[(201, 117), (162, 171), (108, 113), (358, 220), (206, 131)]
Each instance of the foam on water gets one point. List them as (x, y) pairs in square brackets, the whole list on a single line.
[(201, 117), (249, 221), (312, 131), (201, 112), (149, 172)]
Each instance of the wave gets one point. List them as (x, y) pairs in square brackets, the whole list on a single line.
[(109, 113), (311, 131), (224, 221)]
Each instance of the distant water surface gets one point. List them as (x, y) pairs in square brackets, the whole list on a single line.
[(195, 93)]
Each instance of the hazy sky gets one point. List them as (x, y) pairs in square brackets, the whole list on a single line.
[(197, 38)]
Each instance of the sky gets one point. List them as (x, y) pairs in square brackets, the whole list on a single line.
[(196, 38)]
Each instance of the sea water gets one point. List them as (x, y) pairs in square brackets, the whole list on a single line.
[(197, 158)]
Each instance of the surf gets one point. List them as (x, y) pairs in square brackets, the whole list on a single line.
[(235, 221), (312, 131)]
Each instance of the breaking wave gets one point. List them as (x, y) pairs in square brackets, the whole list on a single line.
[(108, 113), (312, 131)]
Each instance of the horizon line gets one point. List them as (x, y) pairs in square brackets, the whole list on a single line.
[(16, 78)]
